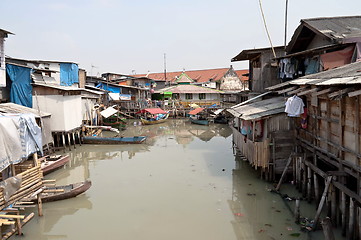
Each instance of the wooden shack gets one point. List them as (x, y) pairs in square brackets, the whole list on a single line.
[(262, 133), (330, 144)]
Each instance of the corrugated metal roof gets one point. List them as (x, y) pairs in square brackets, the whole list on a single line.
[(260, 109), (249, 54), (336, 27), (16, 108)]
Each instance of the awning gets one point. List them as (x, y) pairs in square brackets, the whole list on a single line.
[(152, 111), (196, 111), (108, 112)]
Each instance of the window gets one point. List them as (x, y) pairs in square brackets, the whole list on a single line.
[(202, 96), (189, 96)]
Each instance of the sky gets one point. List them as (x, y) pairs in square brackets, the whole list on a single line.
[(139, 36)]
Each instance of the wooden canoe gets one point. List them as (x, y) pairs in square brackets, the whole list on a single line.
[(114, 140), (51, 163), (199, 121), (57, 193), (151, 122)]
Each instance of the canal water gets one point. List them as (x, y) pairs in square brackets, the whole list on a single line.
[(183, 183)]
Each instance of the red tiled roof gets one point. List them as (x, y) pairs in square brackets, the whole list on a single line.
[(187, 89), (198, 76)]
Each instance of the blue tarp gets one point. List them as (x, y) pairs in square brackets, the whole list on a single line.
[(20, 89), (106, 87), (69, 74)]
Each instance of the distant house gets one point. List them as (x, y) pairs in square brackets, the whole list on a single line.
[(320, 44), (53, 87), (234, 86), (3, 93), (205, 78), (186, 93)]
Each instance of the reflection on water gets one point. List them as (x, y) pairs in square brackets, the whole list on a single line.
[(182, 183)]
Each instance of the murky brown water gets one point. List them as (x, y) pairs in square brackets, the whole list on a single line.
[(183, 183)]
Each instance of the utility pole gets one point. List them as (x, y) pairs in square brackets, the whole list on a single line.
[(165, 69), (286, 12)]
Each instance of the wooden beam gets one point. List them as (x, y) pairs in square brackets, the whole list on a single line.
[(354, 93), (307, 91), (323, 92), (296, 91), (286, 90), (284, 172)]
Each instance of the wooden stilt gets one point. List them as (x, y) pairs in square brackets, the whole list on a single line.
[(316, 187), (79, 138), (343, 212), (359, 222), (327, 229), (322, 201), (69, 141), (333, 206), (297, 211), (73, 135), (351, 222), (304, 178), (309, 184), (63, 136), (40, 205)]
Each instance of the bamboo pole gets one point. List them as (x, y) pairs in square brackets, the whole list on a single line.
[(320, 206)]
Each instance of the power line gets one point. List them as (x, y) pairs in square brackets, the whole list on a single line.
[(265, 25)]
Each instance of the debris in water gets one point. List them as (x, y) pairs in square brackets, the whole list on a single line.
[(268, 225), (251, 194), (295, 234), (239, 214)]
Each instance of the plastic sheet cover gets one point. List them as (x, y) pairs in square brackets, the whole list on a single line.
[(21, 89), (106, 87), (20, 136), (69, 74)]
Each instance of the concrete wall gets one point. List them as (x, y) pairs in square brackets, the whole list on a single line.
[(66, 111), (209, 96)]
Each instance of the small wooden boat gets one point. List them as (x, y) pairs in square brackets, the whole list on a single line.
[(51, 163), (153, 121), (199, 121), (114, 140), (57, 193), (197, 116), (153, 116)]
